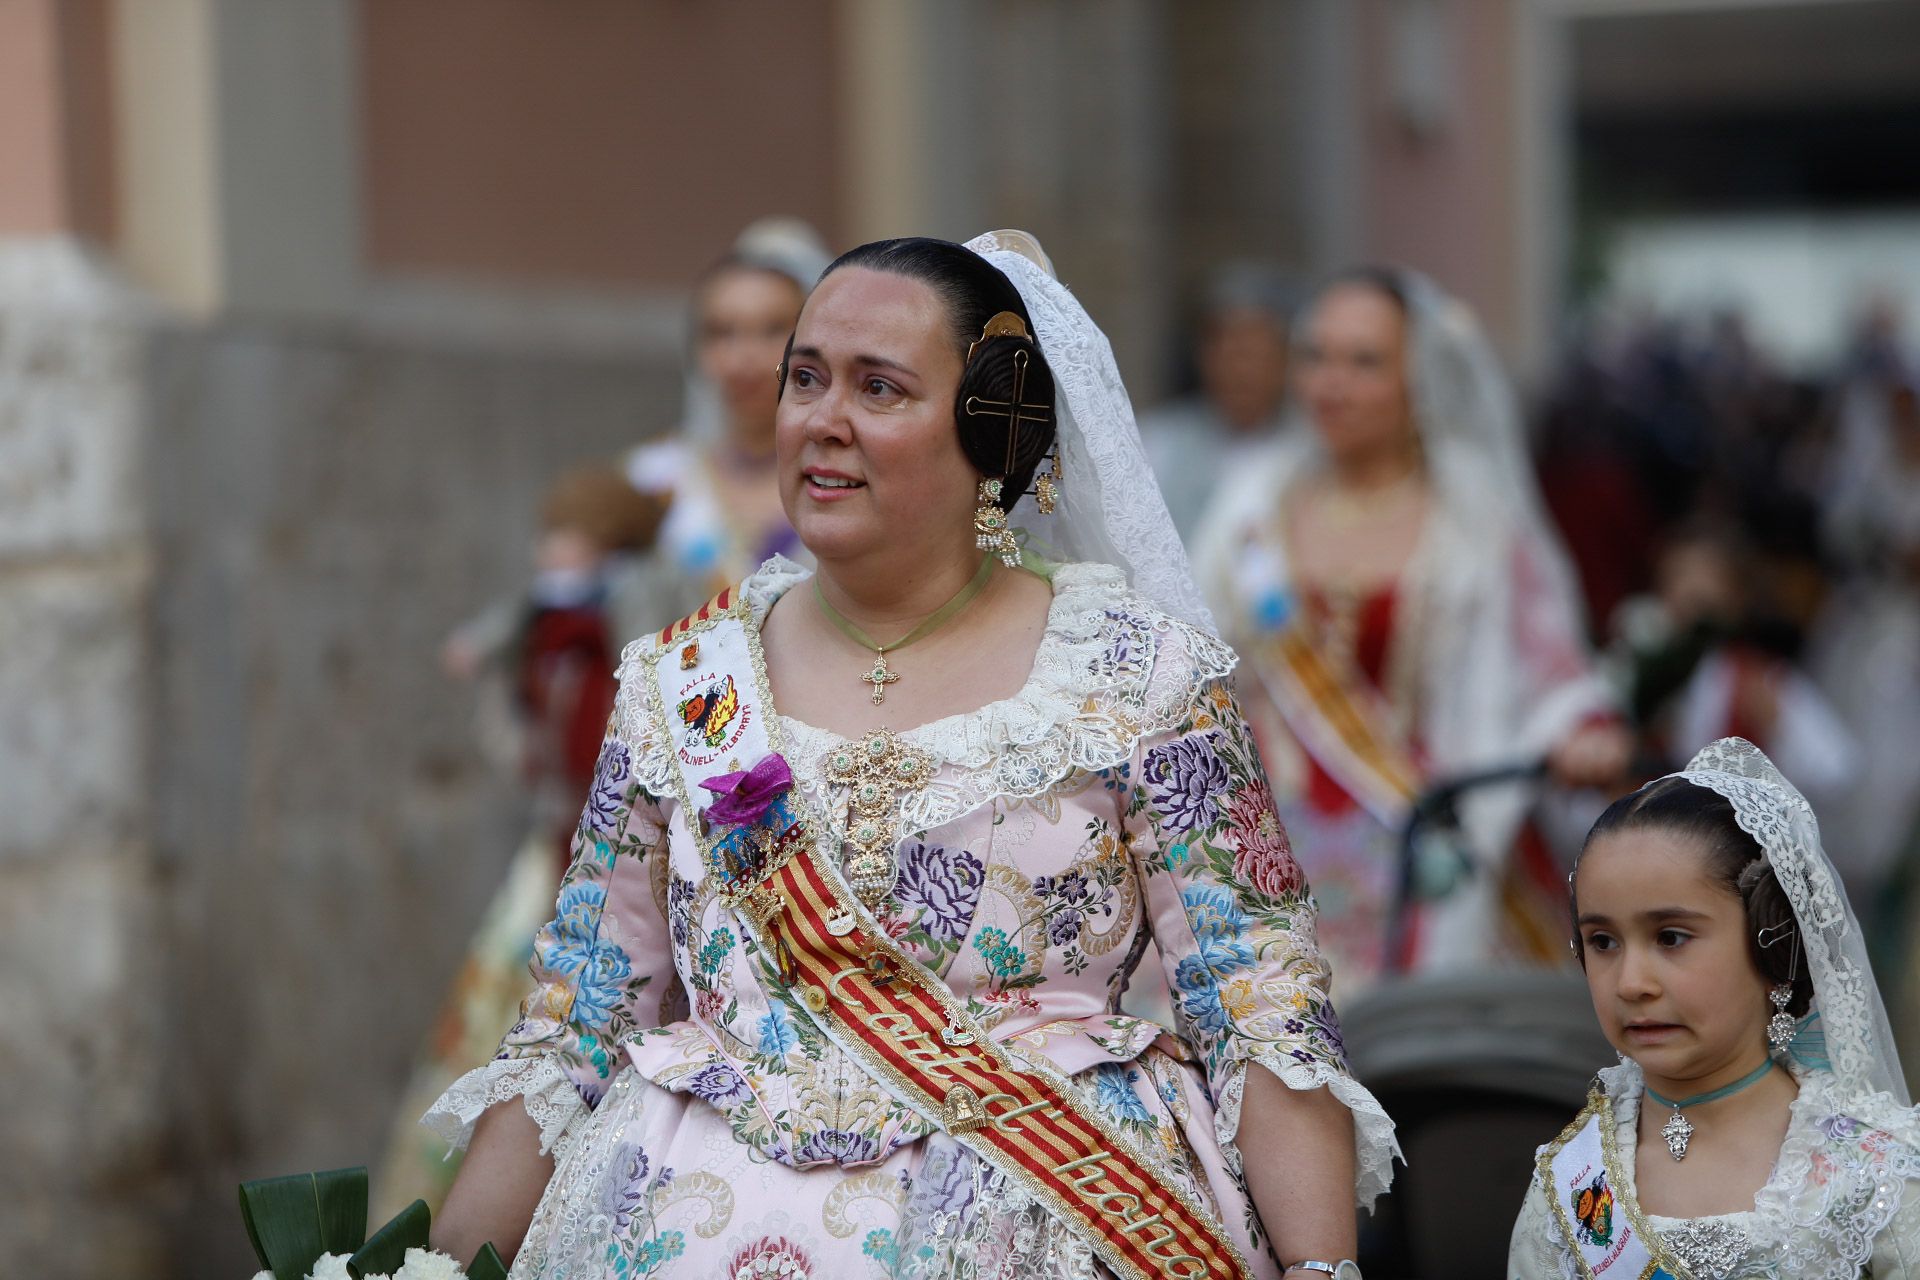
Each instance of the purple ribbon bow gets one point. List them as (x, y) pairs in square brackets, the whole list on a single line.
[(745, 796)]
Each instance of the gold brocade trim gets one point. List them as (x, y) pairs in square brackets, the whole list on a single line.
[(1061, 1094), (1625, 1193)]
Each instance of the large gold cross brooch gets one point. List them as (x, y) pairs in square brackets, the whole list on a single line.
[(877, 772)]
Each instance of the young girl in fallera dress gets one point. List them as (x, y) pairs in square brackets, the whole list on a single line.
[(1758, 1123)]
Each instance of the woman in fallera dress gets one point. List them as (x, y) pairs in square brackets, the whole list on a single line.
[(716, 469), (1406, 615), (838, 981)]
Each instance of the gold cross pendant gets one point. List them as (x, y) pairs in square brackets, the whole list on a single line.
[(879, 677)]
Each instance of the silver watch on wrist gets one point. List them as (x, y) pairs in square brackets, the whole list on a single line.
[(1345, 1269)]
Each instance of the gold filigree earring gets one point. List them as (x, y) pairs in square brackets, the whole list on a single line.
[(1046, 490), (990, 531)]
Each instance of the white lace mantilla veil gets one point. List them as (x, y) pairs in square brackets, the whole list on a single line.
[(1859, 1041), (1110, 509), (1469, 421)]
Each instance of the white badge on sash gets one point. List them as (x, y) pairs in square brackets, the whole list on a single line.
[(1598, 1223), (710, 698)]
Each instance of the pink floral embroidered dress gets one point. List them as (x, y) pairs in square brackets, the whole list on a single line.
[(702, 1124)]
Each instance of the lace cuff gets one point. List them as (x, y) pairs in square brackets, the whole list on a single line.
[(542, 1087), (1375, 1147)]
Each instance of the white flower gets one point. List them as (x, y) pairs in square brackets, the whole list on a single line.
[(332, 1266), (423, 1264)]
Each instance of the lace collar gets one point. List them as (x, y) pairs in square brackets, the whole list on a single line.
[(1111, 668), (1836, 1183)]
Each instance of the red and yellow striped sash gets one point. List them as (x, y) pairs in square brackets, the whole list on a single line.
[(706, 612), (1332, 722), (908, 1029)]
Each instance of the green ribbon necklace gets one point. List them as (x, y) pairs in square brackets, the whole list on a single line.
[(880, 677), (1678, 1130)]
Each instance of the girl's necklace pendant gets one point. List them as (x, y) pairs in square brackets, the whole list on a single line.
[(1678, 1131)]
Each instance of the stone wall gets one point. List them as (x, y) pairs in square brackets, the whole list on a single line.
[(80, 989), (247, 824), (327, 504)]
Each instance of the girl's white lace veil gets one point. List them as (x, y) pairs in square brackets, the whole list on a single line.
[(1110, 509), (1859, 1041)]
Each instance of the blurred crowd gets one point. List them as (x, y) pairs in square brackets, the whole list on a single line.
[(1745, 536), (1748, 543)]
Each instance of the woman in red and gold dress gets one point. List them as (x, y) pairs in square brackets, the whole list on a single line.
[(1405, 616)]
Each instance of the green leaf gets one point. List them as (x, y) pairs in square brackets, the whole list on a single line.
[(486, 1265), (386, 1249), (292, 1221)]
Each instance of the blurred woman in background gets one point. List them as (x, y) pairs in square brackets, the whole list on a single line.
[(558, 644), (1405, 615), (724, 516)]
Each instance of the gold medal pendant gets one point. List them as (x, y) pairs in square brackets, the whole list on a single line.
[(876, 771)]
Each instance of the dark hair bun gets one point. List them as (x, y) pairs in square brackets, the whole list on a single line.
[(1008, 377)]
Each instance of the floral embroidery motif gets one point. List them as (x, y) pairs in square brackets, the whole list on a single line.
[(1220, 929), (636, 1246), (607, 800), (1264, 859), (879, 1246), (600, 970), (1005, 959), (775, 1258), (719, 946), (943, 886), (719, 1084), (1114, 1087), (1187, 776)]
